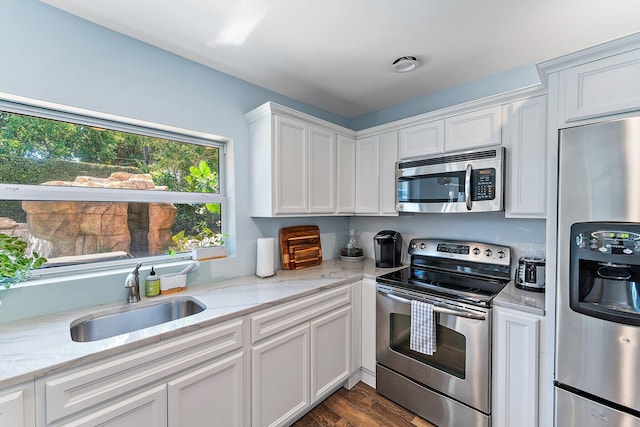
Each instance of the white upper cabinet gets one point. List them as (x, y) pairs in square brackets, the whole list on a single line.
[(294, 164), (368, 175), (606, 86), (388, 157), (375, 174), (474, 129), (465, 131), (346, 174), (525, 140), (291, 151), (421, 140), (322, 170)]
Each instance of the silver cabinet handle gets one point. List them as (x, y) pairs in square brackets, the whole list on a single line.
[(467, 187), (438, 307)]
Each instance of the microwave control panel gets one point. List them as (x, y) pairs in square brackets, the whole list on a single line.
[(613, 242), (484, 184)]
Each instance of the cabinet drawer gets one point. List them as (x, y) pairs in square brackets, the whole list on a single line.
[(274, 320), (146, 408), (78, 389)]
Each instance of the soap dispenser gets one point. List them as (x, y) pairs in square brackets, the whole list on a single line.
[(152, 284)]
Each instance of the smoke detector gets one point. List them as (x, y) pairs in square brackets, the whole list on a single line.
[(404, 64)]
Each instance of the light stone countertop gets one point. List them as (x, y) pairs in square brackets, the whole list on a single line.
[(520, 299), (35, 347), (39, 346)]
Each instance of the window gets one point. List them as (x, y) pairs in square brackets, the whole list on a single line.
[(82, 189)]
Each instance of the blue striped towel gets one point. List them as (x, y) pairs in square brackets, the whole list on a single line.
[(423, 328)]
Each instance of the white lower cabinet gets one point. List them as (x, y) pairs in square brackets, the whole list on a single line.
[(280, 377), (294, 368), (300, 352), (17, 406), (330, 351), (210, 395), (183, 381), (516, 340)]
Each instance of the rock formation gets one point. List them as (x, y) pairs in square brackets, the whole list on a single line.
[(81, 228)]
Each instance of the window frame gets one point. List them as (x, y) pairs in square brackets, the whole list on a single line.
[(48, 110)]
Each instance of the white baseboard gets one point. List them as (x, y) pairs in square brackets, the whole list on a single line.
[(368, 377)]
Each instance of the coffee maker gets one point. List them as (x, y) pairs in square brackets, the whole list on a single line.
[(387, 246)]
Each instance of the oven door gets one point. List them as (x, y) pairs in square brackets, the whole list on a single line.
[(461, 366)]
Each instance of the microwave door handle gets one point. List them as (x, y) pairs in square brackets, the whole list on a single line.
[(438, 308), (467, 187)]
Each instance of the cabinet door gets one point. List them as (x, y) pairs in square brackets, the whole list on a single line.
[(213, 392), (146, 408), (473, 129), (322, 171), (421, 140), (280, 378), (525, 139), (291, 189), (346, 171), (515, 361), (330, 351), (368, 175), (606, 86), (388, 157), (17, 406)]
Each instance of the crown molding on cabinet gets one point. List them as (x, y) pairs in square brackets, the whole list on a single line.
[(502, 98), (610, 48), (273, 108)]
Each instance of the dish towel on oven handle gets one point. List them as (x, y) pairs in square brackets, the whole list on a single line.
[(423, 328)]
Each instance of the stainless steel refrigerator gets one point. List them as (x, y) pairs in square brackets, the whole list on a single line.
[(597, 363)]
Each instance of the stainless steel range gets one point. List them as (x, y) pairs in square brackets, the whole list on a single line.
[(457, 281)]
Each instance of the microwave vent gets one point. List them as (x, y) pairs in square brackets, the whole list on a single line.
[(455, 158)]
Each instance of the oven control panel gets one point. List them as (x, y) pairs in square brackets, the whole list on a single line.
[(468, 251)]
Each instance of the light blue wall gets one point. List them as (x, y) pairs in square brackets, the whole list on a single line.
[(521, 235), (52, 56)]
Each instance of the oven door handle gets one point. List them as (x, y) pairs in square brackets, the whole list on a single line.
[(437, 307)]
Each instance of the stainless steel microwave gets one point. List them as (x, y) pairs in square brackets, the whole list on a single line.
[(464, 181)]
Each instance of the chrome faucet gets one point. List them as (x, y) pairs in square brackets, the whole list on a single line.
[(132, 285)]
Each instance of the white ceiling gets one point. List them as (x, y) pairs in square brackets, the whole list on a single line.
[(336, 54)]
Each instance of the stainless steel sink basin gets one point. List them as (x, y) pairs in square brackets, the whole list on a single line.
[(131, 318)]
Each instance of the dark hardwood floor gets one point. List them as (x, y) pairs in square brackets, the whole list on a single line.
[(360, 406)]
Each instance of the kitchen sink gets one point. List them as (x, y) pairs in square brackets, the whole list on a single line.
[(109, 323)]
